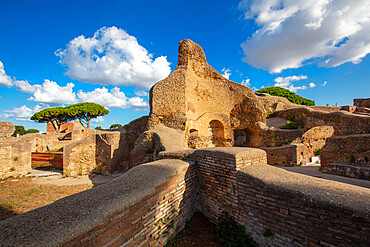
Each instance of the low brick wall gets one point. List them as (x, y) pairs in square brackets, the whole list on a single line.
[(145, 206), (298, 209), (301, 210)]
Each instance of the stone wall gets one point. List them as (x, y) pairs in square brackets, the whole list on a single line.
[(6, 130), (344, 123), (144, 207), (192, 99), (288, 155), (365, 102), (352, 152), (15, 159), (96, 153)]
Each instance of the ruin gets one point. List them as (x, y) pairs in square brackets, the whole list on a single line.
[(212, 145)]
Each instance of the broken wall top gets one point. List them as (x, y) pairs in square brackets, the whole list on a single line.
[(6, 130), (195, 89)]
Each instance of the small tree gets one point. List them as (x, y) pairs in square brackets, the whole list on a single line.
[(115, 126), (84, 112), (98, 128), (19, 130), (55, 115)]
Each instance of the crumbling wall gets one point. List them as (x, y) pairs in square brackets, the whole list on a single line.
[(288, 155), (344, 123), (6, 130), (364, 102), (192, 99), (347, 156), (15, 159)]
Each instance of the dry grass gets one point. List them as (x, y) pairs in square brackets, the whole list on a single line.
[(18, 197)]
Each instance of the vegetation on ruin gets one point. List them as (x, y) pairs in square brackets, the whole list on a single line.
[(291, 96), (20, 130), (115, 126), (84, 112), (294, 122), (232, 234), (317, 151)]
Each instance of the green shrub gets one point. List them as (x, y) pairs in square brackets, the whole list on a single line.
[(232, 234), (318, 151), (292, 125), (291, 96), (352, 159), (268, 233)]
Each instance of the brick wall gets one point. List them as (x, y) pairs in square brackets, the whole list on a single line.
[(151, 202), (144, 207), (299, 210)]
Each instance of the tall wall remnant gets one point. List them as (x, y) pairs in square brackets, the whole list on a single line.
[(197, 99)]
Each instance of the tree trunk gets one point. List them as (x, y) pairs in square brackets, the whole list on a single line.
[(88, 124)]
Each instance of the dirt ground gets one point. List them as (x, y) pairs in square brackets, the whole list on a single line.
[(18, 196), (198, 234)]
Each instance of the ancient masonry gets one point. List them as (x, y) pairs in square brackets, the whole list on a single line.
[(150, 203), (197, 151)]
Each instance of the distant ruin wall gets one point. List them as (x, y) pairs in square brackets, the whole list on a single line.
[(362, 102), (95, 153), (287, 155), (347, 156), (6, 129), (15, 159), (344, 123), (144, 207)]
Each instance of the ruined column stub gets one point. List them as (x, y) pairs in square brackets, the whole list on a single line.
[(197, 99)]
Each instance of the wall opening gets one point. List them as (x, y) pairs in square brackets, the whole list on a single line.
[(193, 133), (217, 130), (242, 138)]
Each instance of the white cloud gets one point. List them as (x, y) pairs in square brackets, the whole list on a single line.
[(24, 86), (5, 80), (324, 84), (292, 33), (24, 113), (112, 57), (113, 98), (287, 82), (246, 82), (51, 92), (141, 93), (226, 73), (312, 85), (99, 119)]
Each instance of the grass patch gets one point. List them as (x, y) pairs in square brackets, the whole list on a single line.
[(232, 234), (18, 197)]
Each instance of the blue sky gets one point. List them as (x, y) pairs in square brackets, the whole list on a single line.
[(111, 52)]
